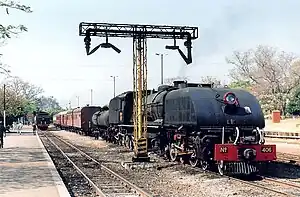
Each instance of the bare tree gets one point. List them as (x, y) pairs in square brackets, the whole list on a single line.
[(24, 88), (273, 73), (212, 80)]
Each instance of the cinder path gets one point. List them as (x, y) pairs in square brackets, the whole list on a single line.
[(27, 170), (285, 146)]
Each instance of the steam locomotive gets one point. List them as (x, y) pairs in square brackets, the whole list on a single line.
[(195, 123), (42, 120)]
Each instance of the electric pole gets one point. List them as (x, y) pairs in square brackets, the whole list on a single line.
[(91, 97), (4, 106), (77, 101), (161, 67), (114, 77)]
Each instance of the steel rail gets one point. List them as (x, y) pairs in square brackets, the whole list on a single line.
[(98, 191), (137, 190), (281, 182), (261, 186)]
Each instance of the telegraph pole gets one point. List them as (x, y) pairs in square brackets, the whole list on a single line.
[(4, 106), (114, 77)]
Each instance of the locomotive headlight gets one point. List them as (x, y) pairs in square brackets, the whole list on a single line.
[(230, 98)]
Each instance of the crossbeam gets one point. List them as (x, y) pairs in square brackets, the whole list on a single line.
[(129, 30)]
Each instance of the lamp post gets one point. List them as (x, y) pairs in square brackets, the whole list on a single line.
[(114, 77), (4, 95), (161, 66), (77, 97), (91, 97), (4, 105)]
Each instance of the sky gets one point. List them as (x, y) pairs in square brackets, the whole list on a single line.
[(52, 54)]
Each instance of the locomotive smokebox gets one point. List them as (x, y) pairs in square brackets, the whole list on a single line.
[(180, 84), (249, 154)]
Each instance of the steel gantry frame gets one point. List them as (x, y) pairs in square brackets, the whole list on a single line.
[(139, 33)]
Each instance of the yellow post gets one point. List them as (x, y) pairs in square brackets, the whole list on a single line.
[(139, 110)]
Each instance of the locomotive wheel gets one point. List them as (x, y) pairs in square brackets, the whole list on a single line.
[(173, 154), (221, 168), (193, 160), (204, 165)]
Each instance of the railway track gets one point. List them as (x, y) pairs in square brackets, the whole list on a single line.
[(276, 186), (104, 181), (281, 188)]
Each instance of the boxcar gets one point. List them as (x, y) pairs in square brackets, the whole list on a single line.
[(82, 119)]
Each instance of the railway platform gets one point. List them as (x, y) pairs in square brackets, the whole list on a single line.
[(26, 169), (288, 128), (285, 145)]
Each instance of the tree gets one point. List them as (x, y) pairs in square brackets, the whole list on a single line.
[(272, 73), (13, 102), (293, 106), (20, 96), (47, 104), (212, 80), (24, 88), (242, 84), (7, 32)]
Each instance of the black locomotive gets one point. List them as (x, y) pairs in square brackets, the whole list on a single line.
[(42, 120), (195, 123)]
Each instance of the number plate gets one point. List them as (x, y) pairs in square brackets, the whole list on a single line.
[(266, 149), (224, 149)]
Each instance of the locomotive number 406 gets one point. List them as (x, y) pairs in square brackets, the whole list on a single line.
[(266, 149)]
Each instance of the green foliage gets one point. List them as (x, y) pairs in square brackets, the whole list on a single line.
[(293, 106), (24, 98), (242, 84), (48, 104), (8, 31)]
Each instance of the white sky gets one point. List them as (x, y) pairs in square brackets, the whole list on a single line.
[(51, 54)]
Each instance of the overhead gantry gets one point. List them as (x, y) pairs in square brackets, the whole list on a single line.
[(139, 33)]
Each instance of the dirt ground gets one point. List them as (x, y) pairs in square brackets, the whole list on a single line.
[(286, 125)]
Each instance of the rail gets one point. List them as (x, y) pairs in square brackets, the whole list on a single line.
[(126, 183)]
